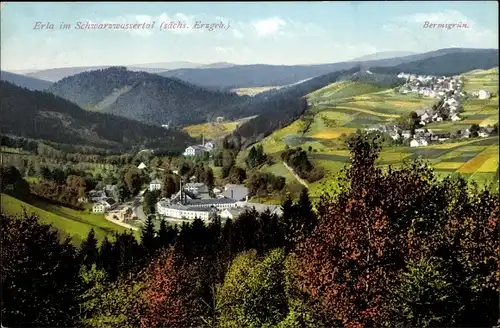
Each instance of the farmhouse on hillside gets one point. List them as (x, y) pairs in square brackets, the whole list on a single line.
[(483, 94)]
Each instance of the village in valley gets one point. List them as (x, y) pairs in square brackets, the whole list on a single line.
[(193, 199), (449, 95)]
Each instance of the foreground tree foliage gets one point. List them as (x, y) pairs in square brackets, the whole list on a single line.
[(168, 294), (399, 247), (391, 248), (106, 304), (40, 280)]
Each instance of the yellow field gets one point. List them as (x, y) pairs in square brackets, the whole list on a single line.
[(449, 165), (334, 133), (490, 165), (367, 111), (474, 164), (450, 145), (490, 121)]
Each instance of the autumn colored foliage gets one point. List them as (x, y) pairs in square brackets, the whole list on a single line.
[(387, 235)]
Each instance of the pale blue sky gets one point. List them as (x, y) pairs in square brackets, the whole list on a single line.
[(259, 32)]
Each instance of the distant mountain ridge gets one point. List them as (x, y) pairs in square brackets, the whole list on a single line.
[(384, 55), (446, 64), (56, 74), (25, 81), (251, 76)]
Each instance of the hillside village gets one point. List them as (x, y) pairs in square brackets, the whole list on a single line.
[(449, 95)]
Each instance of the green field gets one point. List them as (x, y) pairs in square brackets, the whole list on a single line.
[(76, 224), (341, 108)]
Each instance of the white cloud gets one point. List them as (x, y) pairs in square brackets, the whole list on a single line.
[(267, 27), (237, 34), (224, 49)]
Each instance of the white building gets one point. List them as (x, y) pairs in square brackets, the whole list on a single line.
[(104, 205), (199, 149), (483, 134), (209, 146), (155, 185), (194, 150), (141, 166), (418, 143), (180, 211), (232, 213), (483, 94), (455, 118), (406, 134)]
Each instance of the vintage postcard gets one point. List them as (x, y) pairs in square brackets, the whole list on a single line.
[(250, 164)]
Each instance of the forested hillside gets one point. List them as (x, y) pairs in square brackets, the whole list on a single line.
[(448, 64), (145, 97), (41, 115)]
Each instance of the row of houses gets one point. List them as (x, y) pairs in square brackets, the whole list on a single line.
[(423, 136)]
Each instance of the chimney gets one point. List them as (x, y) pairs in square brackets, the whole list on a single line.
[(232, 194)]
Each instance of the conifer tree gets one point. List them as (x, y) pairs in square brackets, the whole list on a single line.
[(89, 250), (306, 213), (289, 223), (148, 236)]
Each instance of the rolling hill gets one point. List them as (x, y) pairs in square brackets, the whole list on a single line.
[(25, 81), (347, 105), (149, 98), (253, 76), (448, 62), (41, 115)]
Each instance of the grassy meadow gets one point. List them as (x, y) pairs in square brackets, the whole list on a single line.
[(68, 222), (341, 108)]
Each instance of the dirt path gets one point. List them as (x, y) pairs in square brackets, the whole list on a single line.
[(299, 179)]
